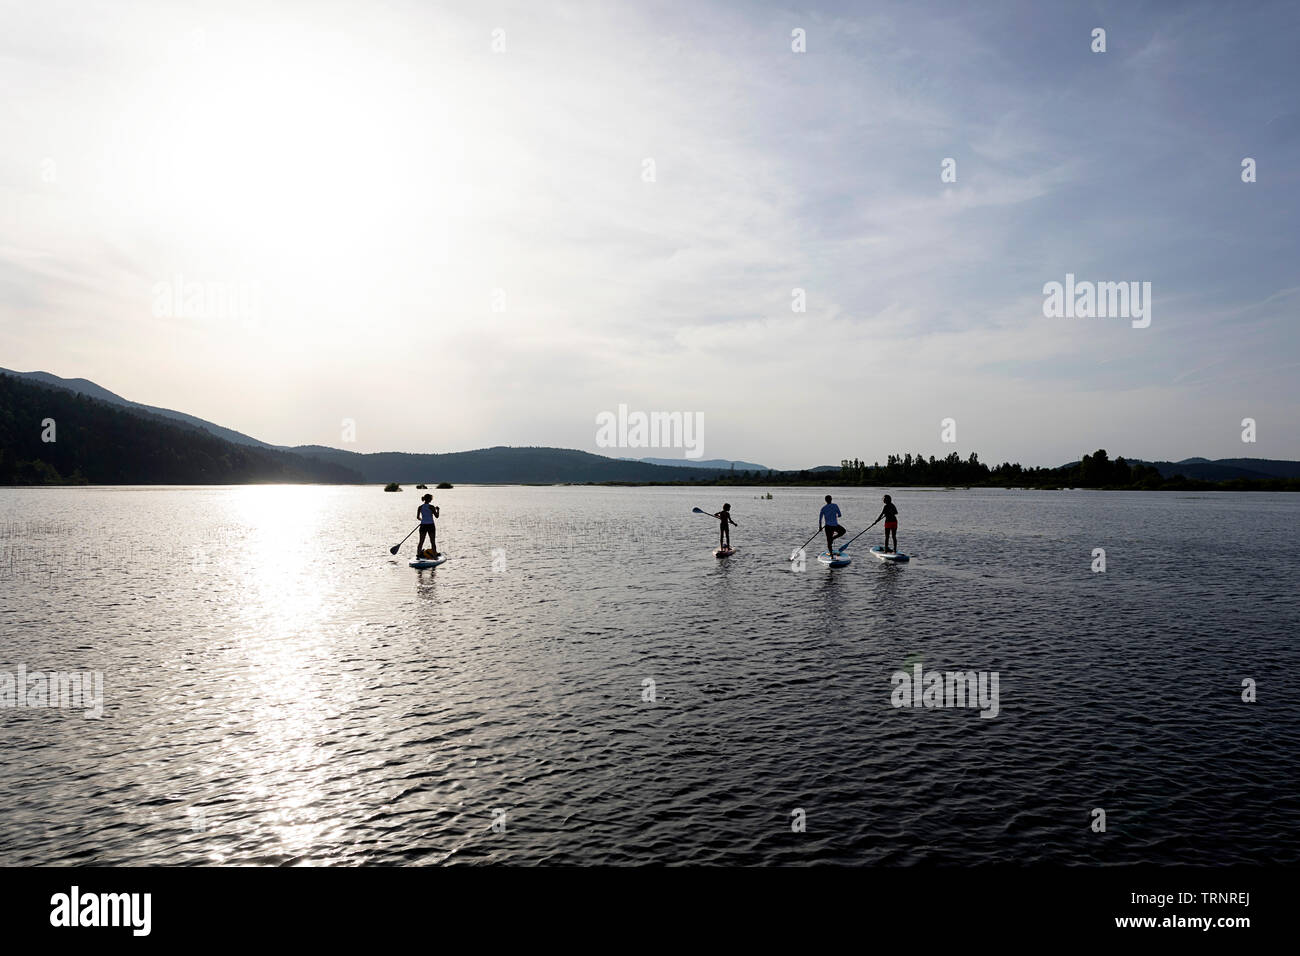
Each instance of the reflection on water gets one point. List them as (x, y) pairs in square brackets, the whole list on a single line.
[(586, 683)]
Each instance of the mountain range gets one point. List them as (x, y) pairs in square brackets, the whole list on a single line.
[(103, 438), (85, 387), (1225, 469), (1222, 469), (54, 435), (715, 463)]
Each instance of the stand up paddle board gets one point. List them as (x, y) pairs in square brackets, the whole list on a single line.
[(423, 563), (837, 560), (880, 552), (723, 552)]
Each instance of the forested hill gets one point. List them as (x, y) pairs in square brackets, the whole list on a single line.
[(506, 465), (1225, 469), (101, 443), (92, 390)]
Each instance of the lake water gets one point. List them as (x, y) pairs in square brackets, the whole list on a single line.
[(585, 683)]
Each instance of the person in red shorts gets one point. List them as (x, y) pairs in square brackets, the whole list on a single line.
[(890, 514)]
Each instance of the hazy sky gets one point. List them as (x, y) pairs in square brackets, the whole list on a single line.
[(372, 214)]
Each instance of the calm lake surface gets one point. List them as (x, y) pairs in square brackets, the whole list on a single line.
[(279, 689)]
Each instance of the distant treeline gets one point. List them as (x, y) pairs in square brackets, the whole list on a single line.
[(1093, 471), (98, 443)]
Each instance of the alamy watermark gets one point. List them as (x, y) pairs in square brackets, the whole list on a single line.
[(1100, 300), (931, 689), (624, 429), (70, 689), (76, 908), (221, 301)]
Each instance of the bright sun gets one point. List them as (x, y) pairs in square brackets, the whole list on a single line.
[(298, 151)]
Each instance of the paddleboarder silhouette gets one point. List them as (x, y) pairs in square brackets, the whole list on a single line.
[(724, 527), (828, 519), (426, 512), (890, 514)]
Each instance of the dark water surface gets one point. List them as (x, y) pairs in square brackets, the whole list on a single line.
[(279, 689)]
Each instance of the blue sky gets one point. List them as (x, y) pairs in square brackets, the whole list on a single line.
[(377, 179)]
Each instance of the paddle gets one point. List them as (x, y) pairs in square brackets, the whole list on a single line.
[(794, 555), (701, 511), (861, 533), (393, 549)]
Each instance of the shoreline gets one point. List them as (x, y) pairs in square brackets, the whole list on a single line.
[(1232, 485)]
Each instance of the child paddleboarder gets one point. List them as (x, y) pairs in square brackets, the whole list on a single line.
[(890, 514), (724, 527), (829, 520), (426, 512)]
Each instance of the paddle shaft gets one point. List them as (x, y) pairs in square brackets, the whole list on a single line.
[(795, 554), (860, 533), (701, 511), (393, 549)]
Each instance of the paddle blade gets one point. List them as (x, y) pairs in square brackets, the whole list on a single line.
[(393, 549), (699, 511)]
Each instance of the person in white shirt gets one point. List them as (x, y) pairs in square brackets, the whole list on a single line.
[(426, 512)]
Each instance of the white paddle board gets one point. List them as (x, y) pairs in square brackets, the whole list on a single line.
[(880, 552), (423, 563), (837, 560)]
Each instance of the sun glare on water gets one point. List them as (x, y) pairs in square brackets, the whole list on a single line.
[(283, 592), (287, 627)]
